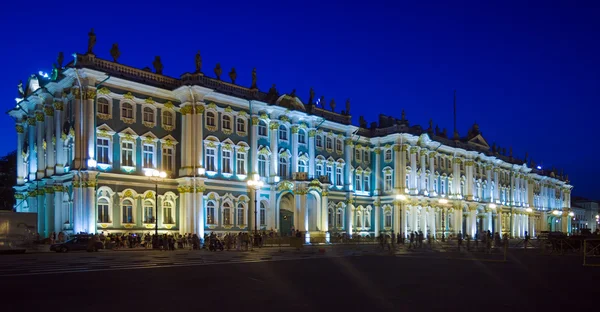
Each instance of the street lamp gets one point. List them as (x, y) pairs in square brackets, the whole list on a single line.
[(256, 184), (156, 176)]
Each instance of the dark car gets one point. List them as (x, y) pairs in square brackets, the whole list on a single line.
[(74, 244)]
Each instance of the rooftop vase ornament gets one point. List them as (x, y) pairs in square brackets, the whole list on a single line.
[(158, 66), (348, 107), (198, 62), (218, 71), (332, 105), (115, 53), (232, 75), (311, 96), (60, 59)]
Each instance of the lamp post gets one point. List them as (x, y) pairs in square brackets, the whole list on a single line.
[(256, 184), (156, 176)]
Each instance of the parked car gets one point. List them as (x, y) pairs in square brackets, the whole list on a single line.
[(77, 243)]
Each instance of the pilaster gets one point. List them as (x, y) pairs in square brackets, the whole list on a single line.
[(21, 173), (273, 127), (377, 174), (61, 158), (294, 163), (50, 140), (254, 145), (41, 146)]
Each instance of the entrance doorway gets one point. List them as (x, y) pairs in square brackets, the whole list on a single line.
[(286, 214)]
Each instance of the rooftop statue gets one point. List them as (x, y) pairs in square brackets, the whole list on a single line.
[(218, 71), (115, 53), (322, 101), (60, 59), (273, 89), (254, 85), (348, 107), (54, 75), (430, 124), (198, 62), (445, 133), (232, 75), (158, 66), (21, 91), (362, 122), (437, 130), (510, 152), (332, 105), (311, 95), (91, 41), (293, 94)]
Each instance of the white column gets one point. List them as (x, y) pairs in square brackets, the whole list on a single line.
[(273, 219), (49, 111), (377, 175), (61, 158), (432, 223), (189, 140), (199, 213), (456, 176), (294, 149), (311, 153), (489, 197), (423, 187), (397, 217), (325, 210), (184, 147), (197, 133), (377, 221), (183, 219), (90, 204), (32, 151), (412, 187), (21, 173), (274, 153), (349, 152), (49, 211), (41, 159), (431, 174), (469, 179), (77, 152), (90, 128), (349, 218), (497, 186), (254, 144)]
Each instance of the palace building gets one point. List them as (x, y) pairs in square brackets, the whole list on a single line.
[(90, 132)]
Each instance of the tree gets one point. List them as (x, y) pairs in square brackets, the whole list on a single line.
[(8, 179)]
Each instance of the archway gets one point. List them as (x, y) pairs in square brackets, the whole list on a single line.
[(286, 214)]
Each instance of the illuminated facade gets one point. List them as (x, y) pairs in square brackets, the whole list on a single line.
[(88, 133)]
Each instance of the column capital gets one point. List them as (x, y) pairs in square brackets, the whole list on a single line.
[(19, 128)]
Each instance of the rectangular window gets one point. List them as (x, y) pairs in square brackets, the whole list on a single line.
[(262, 165), (319, 141), (103, 216), (210, 159), (167, 159), (241, 163), (357, 155), (330, 174), (263, 216), (358, 185), (329, 144), (367, 183), (226, 161), (102, 146), (338, 176), (240, 216), (167, 119), (388, 220), (338, 145), (128, 213), (388, 182), (319, 170), (241, 125), (388, 156), (367, 156), (127, 154), (262, 129), (210, 214), (148, 161)]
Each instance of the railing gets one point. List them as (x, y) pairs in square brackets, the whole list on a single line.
[(591, 248)]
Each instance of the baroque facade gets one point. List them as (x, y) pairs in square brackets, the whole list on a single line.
[(87, 134)]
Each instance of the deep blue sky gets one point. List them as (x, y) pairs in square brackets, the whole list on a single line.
[(528, 73)]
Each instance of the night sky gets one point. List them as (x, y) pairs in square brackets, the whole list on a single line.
[(528, 74)]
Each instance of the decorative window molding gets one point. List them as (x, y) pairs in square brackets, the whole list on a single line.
[(387, 155), (127, 111), (149, 150), (149, 115), (168, 119), (283, 133), (104, 107), (128, 146), (227, 123), (168, 153), (128, 205), (210, 119), (262, 129), (241, 125), (104, 153), (105, 199), (241, 160), (302, 136)]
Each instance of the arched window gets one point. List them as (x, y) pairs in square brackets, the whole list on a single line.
[(339, 221), (358, 182), (103, 106), (127, 211), (262, 128), (226, 214), (328, 143), (368, 219), (240, 125), (241, 220), (148, 114), (388, 155), (388, 219), (210, 119), (283, 166), (103, 213), (338, 176), (319, 141), (210, 212), (338, 145), (263, 214), (127, 111), (283, 133), (367, 184), (302, 166), (148, 211), (301, 136), (262, 166), (167, 118), (168, 212), (330, 219), (226, 122), (358, 221)]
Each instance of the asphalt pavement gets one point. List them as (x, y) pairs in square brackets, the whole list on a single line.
[(297, 281)]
